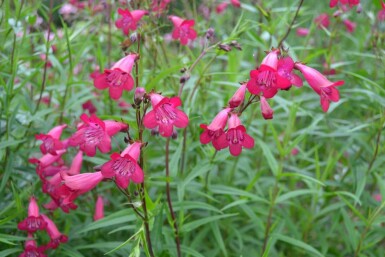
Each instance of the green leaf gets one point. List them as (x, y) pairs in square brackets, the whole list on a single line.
[(200, 222), (297, 243)]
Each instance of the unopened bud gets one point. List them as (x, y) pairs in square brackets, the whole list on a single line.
[(210, 33), (236, 45), (184, 78), (134, 37), (224, 47), (174, 135), (183, 70), (359, 8), (155, 132), (139, 93)]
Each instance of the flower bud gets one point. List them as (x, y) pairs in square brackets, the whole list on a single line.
[(139, 93)]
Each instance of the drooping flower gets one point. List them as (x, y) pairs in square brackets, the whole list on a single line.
[(99, 209), (214, 130), (235, 137), (51, 142), (322, 20), (351, 3), (31, 249), (118, 78), (95, 133), (129, 20), (81, 183), (55, 235), (381, 13), (183, 29), (221, 7), (321, 85), (159, 6), (266, 79), (302, 32), (235, 3), (285, 69), (238, 96), (350, 26), (266, 110), (34, 221), (89, 106), (124, 166), (165, 115)]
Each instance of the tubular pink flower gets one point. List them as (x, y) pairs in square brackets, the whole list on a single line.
[(351, 3), (113, 127), (214, 130), (118, 78), (321, 85), (221, 7), (51, 142), (76, 165), (183, 29), (235, 3), (238, 96), (124, 166), (31, 249), (159, 6), (266, 79), (129, 20), (350, 26), (47, 159), (54, 234), (91, 134), (266, 110), (302, 32), (34, 221), (322, 20), (236, 137), (165, 115), (99, 209), (381, 13), (83, 182), (285, 69)]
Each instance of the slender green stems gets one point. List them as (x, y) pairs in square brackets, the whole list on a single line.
[(291, 24)]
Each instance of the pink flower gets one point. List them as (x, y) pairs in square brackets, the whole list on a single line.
[(322, 20), (183, 29), (350, 26), (118, 78), (295, 151), (221, 7), (235, 138), (302, 32), (213, 131), (54, 234), (82, 183), (34, 221), (238, 96), (266, 110), (129, 20), (381, 13), (377, 197), (159, 6), (333, 3), (89, 106), (51, 142), (165, 115), (95, 133), (99, 209), (285, 70), (124, 166), (31, 249), (321, 85), (266, 79), (235, 3)]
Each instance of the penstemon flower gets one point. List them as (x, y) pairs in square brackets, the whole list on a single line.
[(266, 110), (214, 130), (51, 142), (55, 235), (183, 29), (129, 20), (99, 209), (34, 221)]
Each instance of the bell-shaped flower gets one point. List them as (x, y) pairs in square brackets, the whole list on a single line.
[(165, 115), (266, 110), (129, 20), (124, 166), (51, 142), (31, 249), (266, 79), (118, 78), (214, 130), (82, 183), (55, 235), (238, 96), (34, 221), (183, 29), (99, 209), (321, 85), (236, 137), (285, 69)]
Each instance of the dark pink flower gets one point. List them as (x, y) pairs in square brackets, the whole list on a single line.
[(31, 249), (236, 137), (159, 6), (89, 106), (333, 3), (285, 70), (266, 79), (165, 115), (302, 32), (350, 26), (34, 221), (381, 13), (46, 161), (321, 85), (322, 20), (183, 29), (238, 96), (51, 142), (118, 78), (235, 3), (129, 20), (214, 130), (82, 183), (221, 7), (56, 237), (99, 209), (266, 110)]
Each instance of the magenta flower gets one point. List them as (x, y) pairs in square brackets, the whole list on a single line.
[(34, 221), (266, 110), (321, 85), (31, 249), (381, 13), (214, 130), (165, 115), (81, 183), (129, 20), (95, 133), (266, 79), (183, 29), (51, 142), (124, 166), (89, 106), (235, 138), (285, 69), (56, 237), (238, 96), (99, 209), (350, 26), (221, 7), (333, 3), (118, 78), (159, 6), (235, 3), (322, 20), (47, 159), (302, 32)]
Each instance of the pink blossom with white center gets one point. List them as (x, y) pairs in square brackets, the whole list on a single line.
[(165, 115), (214, 130)]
